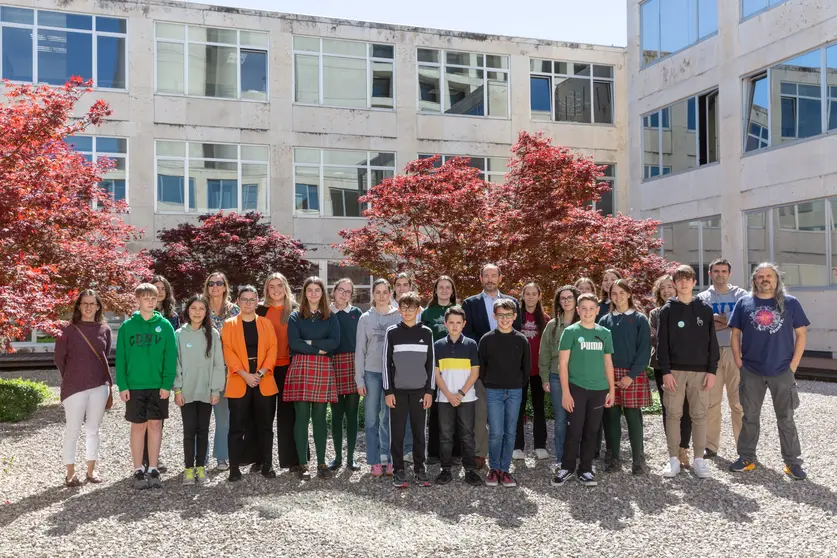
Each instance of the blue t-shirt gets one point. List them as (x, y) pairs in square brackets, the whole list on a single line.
[(766, 335)]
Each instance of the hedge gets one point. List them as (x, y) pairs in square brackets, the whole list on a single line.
[(19, 399)]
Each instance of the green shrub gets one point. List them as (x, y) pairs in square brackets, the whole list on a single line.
[(19, 399)]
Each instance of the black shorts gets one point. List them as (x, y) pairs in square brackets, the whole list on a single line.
[(145, 405)]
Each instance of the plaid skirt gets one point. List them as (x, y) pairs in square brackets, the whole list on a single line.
[(344, 373), (635, 396), (310, 378)]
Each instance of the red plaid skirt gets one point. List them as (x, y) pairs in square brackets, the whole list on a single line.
[(635, 396), (344, 373), (310, 378)]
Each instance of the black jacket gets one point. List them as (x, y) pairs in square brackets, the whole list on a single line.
[(476, 318), (686, 337)]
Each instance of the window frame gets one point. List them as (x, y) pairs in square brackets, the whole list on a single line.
[(485, 174), (660, 58), (95, 154), (553, 85), (703, 279), (770, 5), (611, 180)]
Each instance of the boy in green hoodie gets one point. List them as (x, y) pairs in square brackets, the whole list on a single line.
[(146, 364)]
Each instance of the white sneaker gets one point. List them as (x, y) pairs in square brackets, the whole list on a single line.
[(673, 467), (408, 457), (518, 454), (541, 453), (701, 469)]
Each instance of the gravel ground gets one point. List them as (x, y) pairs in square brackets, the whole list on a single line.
[(758, 514)]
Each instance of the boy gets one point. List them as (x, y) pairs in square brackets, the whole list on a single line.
[(457, 370), (146, 364), (504, 370), (408, 384), (585, 367), (688, 355)]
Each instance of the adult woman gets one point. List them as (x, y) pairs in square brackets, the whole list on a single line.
[(369, 365), (609, 277), (631, 352), (216, 289), (534, 321), (343, 361), (250, 353), (278, 303), (565, 315), (165, 300), (313, 334), (663, 290), (81, 358)]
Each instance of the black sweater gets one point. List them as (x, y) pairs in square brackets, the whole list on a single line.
[(686, 337), (505, 360)]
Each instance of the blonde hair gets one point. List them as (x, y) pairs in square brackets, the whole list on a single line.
[(289, 305)]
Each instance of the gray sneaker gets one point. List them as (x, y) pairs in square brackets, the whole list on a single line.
[(223, 465), (154, 479), (140, 482)]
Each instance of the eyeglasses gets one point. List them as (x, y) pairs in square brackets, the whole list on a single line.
[(341, 290), (504, 316), (408, 308), (215, 283), (566, 299), (248, 300)]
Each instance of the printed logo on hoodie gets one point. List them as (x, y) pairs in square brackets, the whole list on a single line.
[(144, 340)]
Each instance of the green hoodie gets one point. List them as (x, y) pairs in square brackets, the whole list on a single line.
[(146, 353)]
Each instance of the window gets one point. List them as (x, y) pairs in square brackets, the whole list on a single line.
[(758, 131), (682, 136), (695, 243), (605, 203), (41, 46), (751, 7), (669, 26), (344, 73), (335, 180), (492, 169), (361, 279), (213, 172), (211, 62), (578, 92), (463, 83), (94, 148)]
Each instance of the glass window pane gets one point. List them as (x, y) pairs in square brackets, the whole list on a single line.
[(302, 155), (17, 53), (581, 69), (498, 164), (63, 54), (465, 93), (358, 275), (110, 65), (498, 94), (679, 148), (253, 39), (80, 143), (171, 148), (383, 86), (605, 203), (799, 243), (213, 35), (216, 184), (749, 7), (17, 15), (170, 178), (225, 151), (757, 119), (707, 18), (464, 58), (343, 186), (170, 68), (254, 153), (603, 71), (500, 62), (831, 78), (111, 24), (712, 234), (562, 68), (344, 82), (428, 55), (540, 98), (429, 89), (254, 75), (691, 113), (650, 39), (65, 20), (307, 43), (348, 48), (213, 71), (307, 188), (651, 145), (111, 145), (541, 66), (382, 51), (681, 243), (572, 100), (603, 102), (678, 25), (382, 159), (115, 187), (344, 157), (833, 202), (170, 31), (306, 78), (379, 175), (221, 194), (800, 116)]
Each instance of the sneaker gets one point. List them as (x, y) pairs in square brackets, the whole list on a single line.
[(742, 465), (377, 471), (493, 478), (422, 479), (323, 472), (189, 476), (541, 453), (796, 472), (352, 467), (587, 479), (256, 468), (457, 461), (508, 480), (613, 466), (334, 465), (673, 467), (399, 479), (433, 460), (445, 477), (683, 457), (222, 465), (154, 479), (235, 474), (140, 480), (561, 477), (709, 454), (518, 454), (638, 467), (303, 474), (701, 469), (200, 475), (269, 473), (389, 470), (472, 478), (408, 457)]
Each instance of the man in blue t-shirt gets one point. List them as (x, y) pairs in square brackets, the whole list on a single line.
[(767, 340)]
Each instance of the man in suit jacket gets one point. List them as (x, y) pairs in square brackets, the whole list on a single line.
[(479, 320)]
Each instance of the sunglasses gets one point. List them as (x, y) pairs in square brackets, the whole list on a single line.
[(215, 283)]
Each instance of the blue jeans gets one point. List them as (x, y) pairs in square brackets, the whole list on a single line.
[(503, 408), (376, 418), (220, 445), (560, 415)]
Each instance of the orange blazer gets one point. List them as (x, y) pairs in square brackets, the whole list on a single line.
[(235, 356)]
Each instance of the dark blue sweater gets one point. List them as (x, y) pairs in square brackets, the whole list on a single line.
[(323, 334), (631, 341), (348, 321)]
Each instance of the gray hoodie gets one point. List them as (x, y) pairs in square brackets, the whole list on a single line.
[(369, 349), (722, 304), (198, 376)]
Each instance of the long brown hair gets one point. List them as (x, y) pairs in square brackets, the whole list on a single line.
[(540, 315), (556, 303), (625, 286), (435, 299), (206, 324), (658, 286), (323, 307), (606, 296), (168, 304), (100, 313)]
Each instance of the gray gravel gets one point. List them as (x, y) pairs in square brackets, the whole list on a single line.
[(757, 514)]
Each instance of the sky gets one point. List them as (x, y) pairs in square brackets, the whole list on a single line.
[(580, 21)]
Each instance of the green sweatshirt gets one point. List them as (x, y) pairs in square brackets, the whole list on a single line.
[(199, 377), (146, 353)]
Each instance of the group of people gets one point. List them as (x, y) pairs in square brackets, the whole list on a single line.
[(445, 383)]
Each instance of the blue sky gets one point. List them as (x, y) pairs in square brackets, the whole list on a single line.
[(586, 21)]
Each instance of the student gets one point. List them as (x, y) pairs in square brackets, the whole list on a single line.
[(146, 364), (404, 284), (505, 364), (565, 315), (250, 354), (369, 366), (662, 291), (631, 337), (80, 355), (687, 354), (534, 322), (586, 371), (197, 384), (343, 361), (609, 277), (313, 334), (457, 370), (585, 285), (408, 384)]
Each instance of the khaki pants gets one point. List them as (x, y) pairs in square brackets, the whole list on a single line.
[(728, 375), (689, 387)]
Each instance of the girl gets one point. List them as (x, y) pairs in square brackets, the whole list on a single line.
[(343, 362), (165, 300), (369, 365), (631, 352), (313, 334), (534, 322), (609, 277), (198, 383), (585, 285), (565, 315), (250, 354), (81, 358), (277, 307), (663, 290)]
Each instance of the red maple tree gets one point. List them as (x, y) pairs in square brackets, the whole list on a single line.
[(53, 242)]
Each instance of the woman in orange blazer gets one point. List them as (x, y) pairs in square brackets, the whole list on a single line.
[(250, 353)]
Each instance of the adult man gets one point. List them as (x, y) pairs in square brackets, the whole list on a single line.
[(767, 341), (479, 320), (722, 296)]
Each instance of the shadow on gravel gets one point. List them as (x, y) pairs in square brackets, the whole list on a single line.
[(816, 388), (44, 417)]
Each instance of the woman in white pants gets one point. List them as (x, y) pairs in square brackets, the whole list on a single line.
[(81, 357)]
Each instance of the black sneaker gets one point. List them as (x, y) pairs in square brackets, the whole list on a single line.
[(140, 480), (638, 467), (235, 474), (613, 466), (709, 454), (256, 468), (422, 479), (444, 477), (587, 479), (268, 473), (154, 479), (399, 479), (433, 460), (561, 477), (472, 478), (323, 472)]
